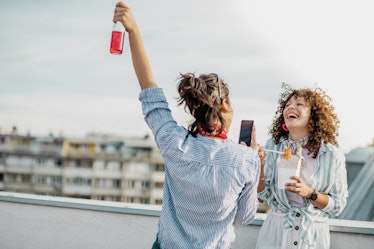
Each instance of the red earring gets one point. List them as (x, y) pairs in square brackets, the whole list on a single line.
[(284, 127)]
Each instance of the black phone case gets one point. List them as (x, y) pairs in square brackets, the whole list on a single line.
[(246, 131)]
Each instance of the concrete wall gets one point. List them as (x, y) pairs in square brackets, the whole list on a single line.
[(34, 222)]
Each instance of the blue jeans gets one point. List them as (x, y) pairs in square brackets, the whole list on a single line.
[(156, 245)]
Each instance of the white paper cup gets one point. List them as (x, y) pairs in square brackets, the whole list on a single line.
[(286, 169)]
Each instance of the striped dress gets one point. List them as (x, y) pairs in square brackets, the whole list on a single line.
[(289, 226), (210, 184)]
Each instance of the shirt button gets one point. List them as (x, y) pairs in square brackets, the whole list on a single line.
[(297, 214), (297, 228), (295, 243)]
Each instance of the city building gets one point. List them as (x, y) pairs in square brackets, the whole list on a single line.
[(129, 170), (98, 167)]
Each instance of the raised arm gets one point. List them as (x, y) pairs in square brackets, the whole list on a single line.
[(143, 71)]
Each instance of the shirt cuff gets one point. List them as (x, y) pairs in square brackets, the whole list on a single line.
[(152, 94), (330, 205), (262, 195)]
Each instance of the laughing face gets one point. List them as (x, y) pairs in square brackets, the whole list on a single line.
[(296, 113)]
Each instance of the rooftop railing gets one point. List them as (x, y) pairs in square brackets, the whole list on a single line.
[(38, 222)]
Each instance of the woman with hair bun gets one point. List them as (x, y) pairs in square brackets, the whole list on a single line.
[(210, 180)]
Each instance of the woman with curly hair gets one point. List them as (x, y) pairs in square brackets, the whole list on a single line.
[(304, 139)]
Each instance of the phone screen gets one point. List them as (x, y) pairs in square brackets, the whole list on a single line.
[(246, 131)]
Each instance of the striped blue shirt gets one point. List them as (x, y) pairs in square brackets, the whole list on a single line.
[(210, 184), (329, 177)]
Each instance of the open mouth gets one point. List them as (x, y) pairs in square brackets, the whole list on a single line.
[(292, 115)]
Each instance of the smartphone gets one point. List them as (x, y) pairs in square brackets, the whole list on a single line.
[(245, 134)]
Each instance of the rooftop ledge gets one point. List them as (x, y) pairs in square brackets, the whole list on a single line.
[(60, 222)]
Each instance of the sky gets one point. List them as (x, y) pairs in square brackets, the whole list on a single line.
[(58, 77)]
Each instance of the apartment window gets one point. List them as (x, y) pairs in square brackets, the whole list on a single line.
[(100, 197), (26, 161), (112, 198), (138, 152), (140, 168), (56, 180), (129, 199), (23, 179), (159, 185), (160, 167), (145, 184), (99, 164), (84, 164), (82, 181), (144, 200), (116, 183), (130, 183), (71, 163), (58, 162), (41, 180), (100, 182), (85, 148), (131, 152), (113, 165), (26, 178), (10, 177), (78, 181), (19, 161), (42, 161), (158, 201), (51, 162)]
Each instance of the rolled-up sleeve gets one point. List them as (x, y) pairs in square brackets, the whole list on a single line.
[(339, 192), (158, 117), (269, 167), (248, 202)]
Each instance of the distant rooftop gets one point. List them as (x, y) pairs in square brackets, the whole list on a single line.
[(359, 154), (360, 204)]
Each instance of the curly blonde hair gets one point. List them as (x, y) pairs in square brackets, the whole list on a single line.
[(323, 124)]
